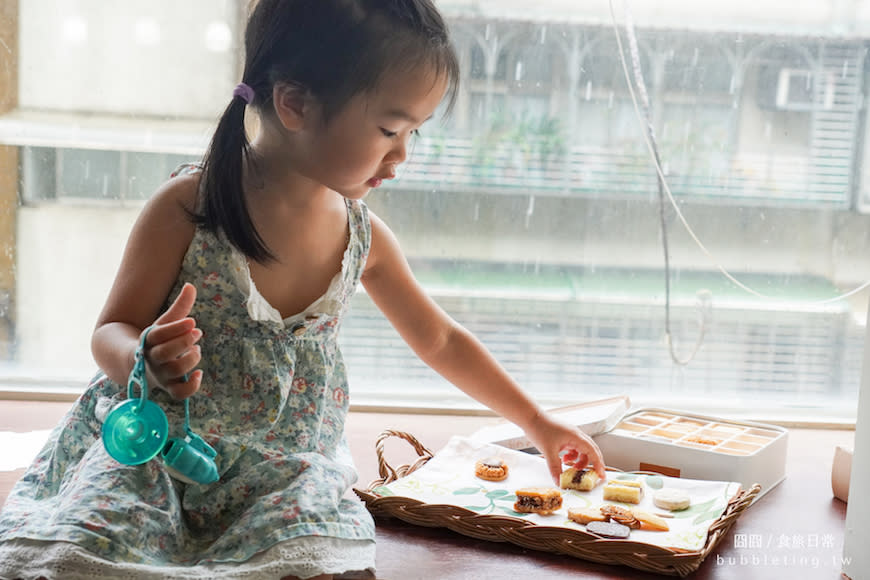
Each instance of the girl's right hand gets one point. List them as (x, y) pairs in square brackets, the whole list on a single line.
[(171, 352)]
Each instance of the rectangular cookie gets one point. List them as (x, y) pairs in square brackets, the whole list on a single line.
[(623, 491), (579, 479), (650, 521), (585, 515), (538, 500)]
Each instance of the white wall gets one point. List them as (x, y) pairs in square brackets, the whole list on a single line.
[(67, 258), (154, 57)]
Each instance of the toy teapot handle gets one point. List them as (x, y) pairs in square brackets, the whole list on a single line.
[(137, 430)]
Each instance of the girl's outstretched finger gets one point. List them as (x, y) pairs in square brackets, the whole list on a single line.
[(181, 306), (554, 464), (597, 461)]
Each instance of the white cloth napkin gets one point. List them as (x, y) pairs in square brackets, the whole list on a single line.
[(448, 478), (19, 449)]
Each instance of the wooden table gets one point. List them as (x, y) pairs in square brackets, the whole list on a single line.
[(795, 531)]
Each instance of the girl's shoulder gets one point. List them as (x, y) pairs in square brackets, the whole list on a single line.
[(169, 213), (181, 191)]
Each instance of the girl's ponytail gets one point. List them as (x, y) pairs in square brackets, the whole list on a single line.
[(222, 206), (335, 49)]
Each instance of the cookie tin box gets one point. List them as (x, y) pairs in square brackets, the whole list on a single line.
[(697, 447), (670, 442)]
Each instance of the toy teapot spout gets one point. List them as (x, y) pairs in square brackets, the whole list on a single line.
[(191, 459)]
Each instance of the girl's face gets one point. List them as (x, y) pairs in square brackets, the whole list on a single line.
[(364, 142)]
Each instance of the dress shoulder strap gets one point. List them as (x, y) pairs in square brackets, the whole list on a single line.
[(360, 241), (187, 169)]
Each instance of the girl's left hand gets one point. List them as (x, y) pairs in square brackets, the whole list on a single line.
[(171, 352), (562, 443)]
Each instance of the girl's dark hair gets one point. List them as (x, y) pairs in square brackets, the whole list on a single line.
[(335, 49)]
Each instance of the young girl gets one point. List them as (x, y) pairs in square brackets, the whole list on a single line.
[(240, 271)]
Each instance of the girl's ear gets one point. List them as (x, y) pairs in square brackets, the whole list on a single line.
[(293, 104)]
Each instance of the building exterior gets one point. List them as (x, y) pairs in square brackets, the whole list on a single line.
[(533, 213)]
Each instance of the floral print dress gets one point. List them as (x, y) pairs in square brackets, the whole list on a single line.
[(273, 402)]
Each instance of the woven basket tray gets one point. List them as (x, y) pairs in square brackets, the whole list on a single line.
[(577, 543)]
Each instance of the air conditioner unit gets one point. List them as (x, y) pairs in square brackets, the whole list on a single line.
[(803, 90), (795, 89)]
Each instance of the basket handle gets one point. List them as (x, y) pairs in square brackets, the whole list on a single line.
[(385, 470)]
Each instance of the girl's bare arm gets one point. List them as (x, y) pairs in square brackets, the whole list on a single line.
[(149, 267), (457, 355)]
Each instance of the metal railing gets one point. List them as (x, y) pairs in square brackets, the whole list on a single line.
[(463, 165)]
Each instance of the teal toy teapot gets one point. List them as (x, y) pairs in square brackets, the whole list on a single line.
[(136, 431)]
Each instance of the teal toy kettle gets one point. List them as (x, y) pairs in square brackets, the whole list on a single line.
[(136, 431)]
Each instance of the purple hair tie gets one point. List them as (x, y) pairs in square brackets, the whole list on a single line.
[(244, 91)]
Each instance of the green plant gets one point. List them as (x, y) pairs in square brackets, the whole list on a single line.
[(533, 141)]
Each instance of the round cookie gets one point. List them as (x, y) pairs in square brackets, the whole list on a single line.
[(491, 469), (608, 529), (671, 499)]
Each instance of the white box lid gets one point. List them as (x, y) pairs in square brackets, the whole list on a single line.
[(592, 417)]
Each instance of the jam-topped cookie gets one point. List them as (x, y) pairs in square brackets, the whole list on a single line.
[(491, 469)]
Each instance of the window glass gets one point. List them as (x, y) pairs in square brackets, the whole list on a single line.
[(38, 173), (533, 213), (89, 174)]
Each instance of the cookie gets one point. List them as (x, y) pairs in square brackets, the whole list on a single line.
[(671, 499), (491, 469), (585, 515), (623, 491), (608, 529), (702, 440), (650, 521), (619, 515), (579, 479), (538, 500)]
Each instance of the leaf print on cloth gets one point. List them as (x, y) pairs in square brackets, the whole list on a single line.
[(494, 496), (415, 485), (654, 481)]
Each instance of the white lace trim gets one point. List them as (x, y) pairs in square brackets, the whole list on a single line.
[(303, 557), (259, 308)]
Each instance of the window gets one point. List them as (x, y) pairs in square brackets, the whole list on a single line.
[(92, 174), (532, 214)]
